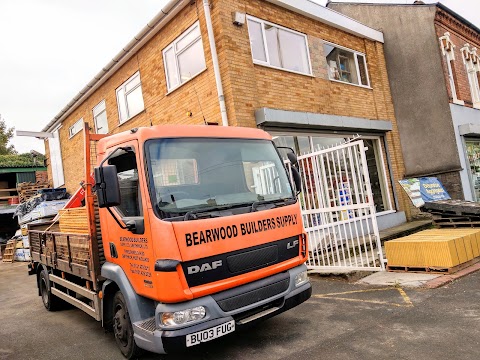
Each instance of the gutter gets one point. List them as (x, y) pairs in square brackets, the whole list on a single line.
[(169, 11), (216, 68)]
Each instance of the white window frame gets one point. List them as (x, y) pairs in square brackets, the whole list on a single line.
[(448, 51), (472, 65), (124, 99), (55, 157), (267, 56), (357, 68), (96, 111), (75, 128), (176, 53)]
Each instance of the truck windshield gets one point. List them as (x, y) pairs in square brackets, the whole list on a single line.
[(195, 174)]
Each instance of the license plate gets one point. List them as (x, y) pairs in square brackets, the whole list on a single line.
[(210, 334)]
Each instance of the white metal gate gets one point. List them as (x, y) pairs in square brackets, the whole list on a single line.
[(338, 210)]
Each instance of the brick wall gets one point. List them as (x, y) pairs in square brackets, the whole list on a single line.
[(41, 176), (160, 107), (247, 86), (460, 34)]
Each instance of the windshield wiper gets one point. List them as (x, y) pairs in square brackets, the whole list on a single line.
[(277, 202), (193, 214)]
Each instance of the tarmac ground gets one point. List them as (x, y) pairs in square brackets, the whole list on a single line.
[(342, 320)]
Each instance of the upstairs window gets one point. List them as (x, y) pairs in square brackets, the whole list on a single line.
[(130, 98), (278, 47), (448, 51), (472, 65), (184, 58), (75, 128), (100, 118), (346, 65)]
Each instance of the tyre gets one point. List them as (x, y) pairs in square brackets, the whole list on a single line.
[(50, 301), (122, 328)]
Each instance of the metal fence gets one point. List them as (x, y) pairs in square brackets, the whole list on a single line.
[(338, 210)]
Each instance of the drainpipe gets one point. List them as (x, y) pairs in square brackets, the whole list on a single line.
[(216, 68)]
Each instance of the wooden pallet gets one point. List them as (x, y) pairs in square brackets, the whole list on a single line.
[(9, 253), (432, 269), (27, 190)]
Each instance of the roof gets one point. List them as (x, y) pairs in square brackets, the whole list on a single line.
[(307, 8), (21, 161), (437, 4)]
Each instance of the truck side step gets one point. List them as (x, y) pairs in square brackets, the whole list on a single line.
[(94, 311)]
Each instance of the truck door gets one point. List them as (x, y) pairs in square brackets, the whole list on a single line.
[(130, 247)]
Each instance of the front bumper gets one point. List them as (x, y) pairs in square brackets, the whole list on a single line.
[(150, 336)]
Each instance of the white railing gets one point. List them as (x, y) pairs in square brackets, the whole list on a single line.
[(338, 210)]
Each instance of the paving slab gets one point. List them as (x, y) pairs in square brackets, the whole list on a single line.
[(398, 279)]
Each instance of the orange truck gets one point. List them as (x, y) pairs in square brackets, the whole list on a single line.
[(191, 233)]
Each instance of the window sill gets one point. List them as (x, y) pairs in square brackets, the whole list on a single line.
[(133, 117), (458, 102), (282, 69), (347, 83), (186, 82)]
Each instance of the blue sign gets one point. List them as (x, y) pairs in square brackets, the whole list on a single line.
[(432, 190), (422, 190)]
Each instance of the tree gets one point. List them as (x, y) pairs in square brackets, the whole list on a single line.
[(5, 135)]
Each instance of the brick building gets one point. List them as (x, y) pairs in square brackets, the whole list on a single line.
[(308, 75), (434, 70)]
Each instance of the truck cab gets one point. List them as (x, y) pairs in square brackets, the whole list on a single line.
[(202, 235)]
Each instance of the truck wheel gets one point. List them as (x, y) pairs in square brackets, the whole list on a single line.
[(122, 328), (50, 301)]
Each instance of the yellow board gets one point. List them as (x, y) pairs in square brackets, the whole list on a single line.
[(435, 248)]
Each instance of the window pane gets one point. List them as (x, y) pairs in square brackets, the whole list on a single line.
[(271, 34), (294, 51), (341, 64), (256, 40), (188, 39), (135, 102), (132, 83), (362, 66), (99, 108), (122, 107), (287, 141), (171, 68), (376, 176), (101, 123), (191, 61), (128, 180)]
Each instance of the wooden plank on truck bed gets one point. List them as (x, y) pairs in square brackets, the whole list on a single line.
[(74, 220)]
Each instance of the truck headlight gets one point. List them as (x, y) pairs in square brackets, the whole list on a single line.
[(301, 278), (183, 316)]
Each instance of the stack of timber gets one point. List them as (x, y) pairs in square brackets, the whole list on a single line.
[(8, 255), (435, 250), (454, 213), (26, 190), (74, 221)]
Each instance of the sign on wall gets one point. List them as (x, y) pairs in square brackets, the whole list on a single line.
[(422, 190)]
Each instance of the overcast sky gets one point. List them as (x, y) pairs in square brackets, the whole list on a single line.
[(50, 49)]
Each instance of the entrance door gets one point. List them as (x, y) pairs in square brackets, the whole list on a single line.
[(338, 210)]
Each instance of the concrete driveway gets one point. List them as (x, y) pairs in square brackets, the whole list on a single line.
[(340, 321)]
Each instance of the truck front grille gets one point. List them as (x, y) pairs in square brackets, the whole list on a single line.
[(226, 265), (254, 296)]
